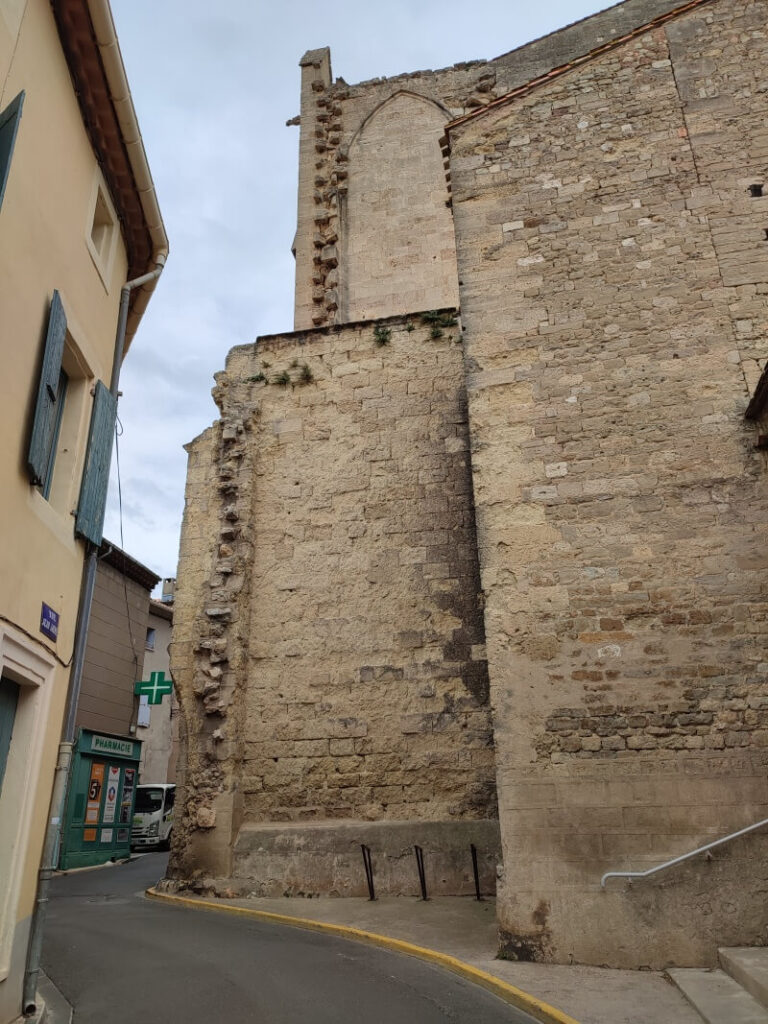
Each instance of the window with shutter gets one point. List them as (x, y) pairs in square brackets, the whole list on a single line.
[(50, 399), (89, 522), (9, 126)]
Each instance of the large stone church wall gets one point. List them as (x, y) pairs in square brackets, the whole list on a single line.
[(374, 233), (329, 643), (614, 276)]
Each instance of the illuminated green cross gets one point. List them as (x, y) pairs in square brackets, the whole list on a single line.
[(155, 688)]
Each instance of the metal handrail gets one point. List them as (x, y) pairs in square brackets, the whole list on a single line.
[(685, 856)]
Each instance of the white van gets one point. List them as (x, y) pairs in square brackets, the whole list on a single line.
[(153, 815)]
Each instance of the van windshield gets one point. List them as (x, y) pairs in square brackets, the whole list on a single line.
[(148, 799)]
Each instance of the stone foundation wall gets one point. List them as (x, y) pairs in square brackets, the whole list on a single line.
[(328, 635), (615, 271)]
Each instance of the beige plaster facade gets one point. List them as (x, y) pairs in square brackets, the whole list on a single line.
[(46, 244), (157, 736), (609, 236)]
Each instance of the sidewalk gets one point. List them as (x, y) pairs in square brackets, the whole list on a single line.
[(463, 928)]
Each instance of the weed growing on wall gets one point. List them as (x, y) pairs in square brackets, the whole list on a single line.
[(381, 335)]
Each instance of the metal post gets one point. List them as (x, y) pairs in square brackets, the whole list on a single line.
[(368, 871), (420, 865), (473, 848)]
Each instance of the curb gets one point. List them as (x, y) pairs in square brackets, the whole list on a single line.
[(514, 996)]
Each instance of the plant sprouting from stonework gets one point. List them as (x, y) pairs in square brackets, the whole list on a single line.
[(294, 364), (257, 378), (305, 376), (381, 335), (409, 327), (435, 332), (436, 319), (282, 379)]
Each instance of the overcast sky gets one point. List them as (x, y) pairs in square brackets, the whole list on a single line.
[(213, 85)]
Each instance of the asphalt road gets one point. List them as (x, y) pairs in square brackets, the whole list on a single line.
[(122, 959)]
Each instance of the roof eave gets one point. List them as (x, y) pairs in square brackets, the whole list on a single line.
[(110, 119)]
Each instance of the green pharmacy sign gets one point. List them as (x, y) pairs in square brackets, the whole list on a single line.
[(155, 688)]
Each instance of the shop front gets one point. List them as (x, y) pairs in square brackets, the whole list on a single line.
[(102, 791)]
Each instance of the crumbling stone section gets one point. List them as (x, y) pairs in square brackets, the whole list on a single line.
[(209, 646), (614, 266), (321, 107), (330, 647), (329, 244), (330, 240)]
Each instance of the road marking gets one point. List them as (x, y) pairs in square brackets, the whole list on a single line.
[(509, 993)]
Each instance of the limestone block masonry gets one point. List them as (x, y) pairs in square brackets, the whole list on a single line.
[(328, 633), (615, 274), (566, 471)]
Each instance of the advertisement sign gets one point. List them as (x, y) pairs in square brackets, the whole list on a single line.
[(106, 835), (95, 786), (89, 835), (127, 798), (110, 801)]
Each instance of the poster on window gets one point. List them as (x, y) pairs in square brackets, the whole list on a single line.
[(95, 786), (110, 803), (126, 800)]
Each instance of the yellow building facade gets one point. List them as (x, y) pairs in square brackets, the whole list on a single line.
[(78, 219)]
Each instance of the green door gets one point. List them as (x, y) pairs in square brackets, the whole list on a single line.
[(9, 698)]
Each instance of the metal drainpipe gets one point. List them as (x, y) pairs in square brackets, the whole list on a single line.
[(49, 857)]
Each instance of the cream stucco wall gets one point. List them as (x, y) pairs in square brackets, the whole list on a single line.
[(44, 221), (157, 737)]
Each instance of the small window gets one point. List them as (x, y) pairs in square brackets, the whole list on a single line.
[(9, 126), (55, 454), (102, 227), (102, 231), (149, 643)]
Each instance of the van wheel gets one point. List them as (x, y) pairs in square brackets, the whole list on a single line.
[(166, 844)]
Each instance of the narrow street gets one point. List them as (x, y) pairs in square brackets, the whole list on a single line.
[(120, 958)]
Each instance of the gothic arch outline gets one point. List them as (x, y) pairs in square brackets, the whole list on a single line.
[(390, 99)]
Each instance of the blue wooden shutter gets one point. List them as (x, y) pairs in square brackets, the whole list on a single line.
[(93, 490), (9, 125), (44, 425)]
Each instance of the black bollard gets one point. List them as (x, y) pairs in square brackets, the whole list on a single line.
[(420, 865), (368, 864), (473, 848)]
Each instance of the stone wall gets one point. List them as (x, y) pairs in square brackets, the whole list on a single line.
[(397, 195), (364, 152), (614, 271), (328, 638)]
